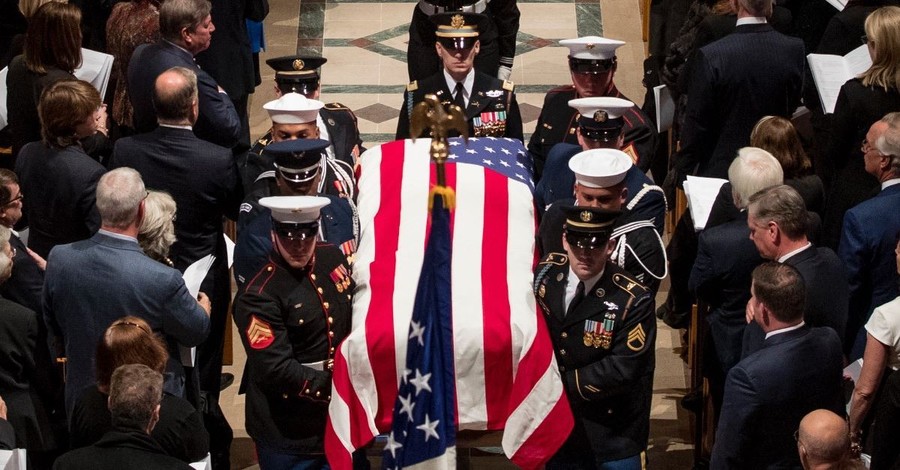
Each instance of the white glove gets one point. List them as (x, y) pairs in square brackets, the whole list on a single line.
[(504, 72)]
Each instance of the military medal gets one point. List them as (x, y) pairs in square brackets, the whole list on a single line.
[(490, 124), (609, 324), (592, 331)]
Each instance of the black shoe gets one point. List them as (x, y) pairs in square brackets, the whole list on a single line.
[(227, 380), (692, 401)]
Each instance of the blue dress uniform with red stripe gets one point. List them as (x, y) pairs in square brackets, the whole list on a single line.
[(291, 321), (605, 349)]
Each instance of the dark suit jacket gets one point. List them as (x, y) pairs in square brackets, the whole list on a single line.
[(91, 283), (229, 58), (27, 281), (735, 81), (7, 435), (218, 122), (721, 278), (120, 449), (769, 392), (479, 102), (61, 185), (24, 92)]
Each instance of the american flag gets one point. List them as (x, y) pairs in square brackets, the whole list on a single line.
[(505, 373)]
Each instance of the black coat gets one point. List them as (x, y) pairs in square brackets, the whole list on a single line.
[(25, 285), (24, 92), (120, 450), (480, 102), (609, 387)]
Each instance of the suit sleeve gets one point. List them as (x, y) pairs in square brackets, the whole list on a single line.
[(699, 122), (737, 422), (232, 189), (185, 436), (843, 135), (853, 253), (702, 274), (7, 435), (275, 369), (185, 320), (514, 120), (505, 14), (633, 350), (218, 123), (536, 144), (87, 202)]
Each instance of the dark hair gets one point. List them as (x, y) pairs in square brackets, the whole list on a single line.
[(780, 287), (783, 205), (779, 137), (63, 106), (175, 104), (53, 38), (175, 15), (7, 177), (135, 391), (129, 340)]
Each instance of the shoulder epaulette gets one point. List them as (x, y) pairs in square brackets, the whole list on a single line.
[(508, 85), (336, 106), (627, 284), (558, 259), (413, 86)]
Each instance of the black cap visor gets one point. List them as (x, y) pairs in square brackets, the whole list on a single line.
[(586, 240), (591, 65), (295, 232), (452, 43)]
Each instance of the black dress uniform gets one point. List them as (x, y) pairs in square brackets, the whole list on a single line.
[(492, 110), (291, 322), (605, 348), (558, 122), (497, 36)]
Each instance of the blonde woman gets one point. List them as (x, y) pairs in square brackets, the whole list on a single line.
[(157, 233)]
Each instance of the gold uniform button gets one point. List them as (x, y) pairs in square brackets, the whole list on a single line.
[(318, 394), (564, 335), (348, 296), (562, 352), (312, 276), (326, 304), (306, 391), (284, 395), (331, 350), (331, 334), (319, 289), (269, 269), (301, 321), (330, 320)]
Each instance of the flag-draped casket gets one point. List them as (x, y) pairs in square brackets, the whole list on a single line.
[(506, 375)]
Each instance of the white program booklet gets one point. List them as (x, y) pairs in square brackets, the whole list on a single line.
[(701, 194), (831, 72), (193, 276), (839, 4), (665, 108), (96, 68)]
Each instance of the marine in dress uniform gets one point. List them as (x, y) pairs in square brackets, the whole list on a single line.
[(291, 317), (297, 169), (336, 123), (600, 125), (592, 62), (498, 36), (603, 330), (488, 103), (601, 181)]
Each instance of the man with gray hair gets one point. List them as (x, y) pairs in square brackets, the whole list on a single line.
[(778, 222), (870, 230), (91, 283), (135, 392), (186, 28), (720, 277)]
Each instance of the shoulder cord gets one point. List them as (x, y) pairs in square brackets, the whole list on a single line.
[(618, 254), (646, 189)]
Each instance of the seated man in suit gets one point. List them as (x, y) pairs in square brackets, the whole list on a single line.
[(135, 393), (592, 62), (768, 393), (601, 181), (186, 28), (601, 124), (336, 122), (870, 233), (778, 223), (488, 103)]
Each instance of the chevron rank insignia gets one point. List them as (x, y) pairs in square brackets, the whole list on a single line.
[(630, 150), (259, 333), (636, 338)]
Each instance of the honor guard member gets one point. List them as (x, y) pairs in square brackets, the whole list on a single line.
[(291, 316), (603, 329), (592, 63), (601, 122), (294, 116), (297, 172), (601, 182), (488, 103), (498, 36)]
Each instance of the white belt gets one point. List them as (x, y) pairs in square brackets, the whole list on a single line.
[(430, 9), (314, 365)]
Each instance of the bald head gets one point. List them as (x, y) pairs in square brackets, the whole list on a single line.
[(175, 96), (824, 438)]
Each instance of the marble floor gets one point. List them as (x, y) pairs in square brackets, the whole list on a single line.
[(365, 43)]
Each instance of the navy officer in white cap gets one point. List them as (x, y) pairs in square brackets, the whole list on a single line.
[(601, 124), (601, 322), (294, 116), (297, 171), (600, 181), (592, 63), (291, 316)]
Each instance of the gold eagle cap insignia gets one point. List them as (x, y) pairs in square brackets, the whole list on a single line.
[(589, 46), (601, 116), (298, 64), (457, 21), (585, 216)]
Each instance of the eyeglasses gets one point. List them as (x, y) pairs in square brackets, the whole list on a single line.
[(866, 147), (20, 197)]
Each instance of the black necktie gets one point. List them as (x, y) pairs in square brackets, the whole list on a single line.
[(579, 295), (458, 98)]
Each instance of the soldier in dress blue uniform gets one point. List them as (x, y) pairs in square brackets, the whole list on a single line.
[(297, 172), (603, 330), (488, 103), (592, 62), (291, 316)]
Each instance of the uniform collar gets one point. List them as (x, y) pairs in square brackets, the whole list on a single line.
[(468, 84)]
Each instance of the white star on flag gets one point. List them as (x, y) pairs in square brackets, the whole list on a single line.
[(454, 143), (488, 162), (520, 177), (430, 428), (421, 381), (452, 156), (417, 331), (406, 406), (503, 162), (472, 151), (489, 150), (504, 150), (392, 445), (520, 164)]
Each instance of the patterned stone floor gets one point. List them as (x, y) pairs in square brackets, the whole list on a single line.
[(365, 43)]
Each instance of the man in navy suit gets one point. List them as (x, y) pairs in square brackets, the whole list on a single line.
[(768, 393), (778, 223), (753, 72), (870, 232), (91, 283), (186, 28)]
